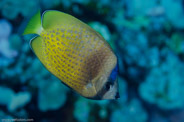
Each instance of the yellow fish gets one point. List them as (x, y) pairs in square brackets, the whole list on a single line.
[(75, 53)]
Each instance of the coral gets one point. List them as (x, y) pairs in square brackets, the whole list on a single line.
[(4, 116), (175, 15), (19, 100), (130, 112), (5, 31), (15, 42), (103, 113), (136, 24), (141, 7), (12, 8), (52, 94), (138, 52), (84, 107), (164, 84), (50, 3), (6, 95), (176, 43), (82, 110), (13, 100)]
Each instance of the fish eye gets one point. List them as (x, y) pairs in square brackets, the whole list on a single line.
[(108, 86)]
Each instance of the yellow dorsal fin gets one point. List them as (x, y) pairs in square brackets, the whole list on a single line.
[(51, 19)]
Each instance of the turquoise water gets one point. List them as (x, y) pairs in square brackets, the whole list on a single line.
[(148, 38)]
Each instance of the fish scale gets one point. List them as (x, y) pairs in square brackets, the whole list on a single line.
[(80, 74)]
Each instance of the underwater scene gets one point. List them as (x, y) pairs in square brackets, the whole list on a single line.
[(147, 36)]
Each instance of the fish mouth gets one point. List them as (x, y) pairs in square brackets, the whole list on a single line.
[(117, 96)]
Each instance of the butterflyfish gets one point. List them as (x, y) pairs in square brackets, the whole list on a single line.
[(74, 53)]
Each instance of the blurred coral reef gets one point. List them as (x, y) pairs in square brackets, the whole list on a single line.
[(146, 35)]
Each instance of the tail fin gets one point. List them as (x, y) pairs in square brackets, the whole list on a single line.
[(34, 26)]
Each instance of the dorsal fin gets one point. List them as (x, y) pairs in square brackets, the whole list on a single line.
[(34, 26), (51, 19)]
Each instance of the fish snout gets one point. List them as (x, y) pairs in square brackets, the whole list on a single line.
[(117, 95)]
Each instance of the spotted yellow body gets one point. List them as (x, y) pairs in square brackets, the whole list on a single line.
[(73, 52)]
